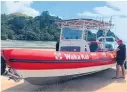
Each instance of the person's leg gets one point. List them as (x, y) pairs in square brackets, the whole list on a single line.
[(125, 65), (117, 70), (123, 71)]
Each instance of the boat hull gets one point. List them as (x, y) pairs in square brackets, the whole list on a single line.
[(45, 77), (52, 80), (40, 67)]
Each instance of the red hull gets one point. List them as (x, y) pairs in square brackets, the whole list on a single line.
[(24, 59)]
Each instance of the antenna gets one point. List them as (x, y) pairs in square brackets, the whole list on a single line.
[(110, 22)]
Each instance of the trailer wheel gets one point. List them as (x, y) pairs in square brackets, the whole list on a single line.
[(3, 65)]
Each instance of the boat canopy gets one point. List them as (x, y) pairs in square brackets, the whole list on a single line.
[(85, 23)]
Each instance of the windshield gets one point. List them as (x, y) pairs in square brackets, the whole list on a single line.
[(71, 33), (110, 39), (107, 39), (109, 47)]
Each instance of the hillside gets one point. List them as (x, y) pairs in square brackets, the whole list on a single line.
[(18, 14), (18, 26)]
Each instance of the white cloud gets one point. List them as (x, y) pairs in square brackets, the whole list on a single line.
[(118, 5), (88, 14), (120, 27), (56, 15), (52, 14), (119, 12), (61, 17), (23, 7), (111, 9), (121, 6), (106, 11)]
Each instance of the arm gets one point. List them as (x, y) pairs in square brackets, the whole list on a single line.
[(116, 50), (125, 57)]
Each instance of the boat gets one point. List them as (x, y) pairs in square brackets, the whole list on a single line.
[(108, 42), (74, 56)]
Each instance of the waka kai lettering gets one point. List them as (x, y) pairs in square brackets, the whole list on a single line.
[(76, 57), (59, 56)]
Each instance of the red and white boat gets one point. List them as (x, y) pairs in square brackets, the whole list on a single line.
[(74, 57)]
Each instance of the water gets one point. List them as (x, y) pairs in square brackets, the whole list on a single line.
[(30, 44), (27, 44)]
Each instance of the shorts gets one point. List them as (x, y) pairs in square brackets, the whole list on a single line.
[(120, 62)]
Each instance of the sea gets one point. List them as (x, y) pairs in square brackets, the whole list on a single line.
[(27, 44), (31, 44)]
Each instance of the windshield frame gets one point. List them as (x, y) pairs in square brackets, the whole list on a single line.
[(73, 28)]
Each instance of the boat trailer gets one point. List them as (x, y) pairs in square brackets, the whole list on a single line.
[(12, 75)]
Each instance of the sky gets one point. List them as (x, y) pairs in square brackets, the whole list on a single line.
[(71, 9)]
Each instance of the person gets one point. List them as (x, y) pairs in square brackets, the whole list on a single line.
[(93, 47), (120, 59), (57, 46)]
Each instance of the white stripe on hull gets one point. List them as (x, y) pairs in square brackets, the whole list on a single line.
[(61, 72)]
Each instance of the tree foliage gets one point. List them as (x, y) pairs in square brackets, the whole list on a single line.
[(18, 26), (21, 27)]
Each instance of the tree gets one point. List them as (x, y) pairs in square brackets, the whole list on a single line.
[(41, 28), (109, 33), (17, 23), (30, 35), (100, 33)]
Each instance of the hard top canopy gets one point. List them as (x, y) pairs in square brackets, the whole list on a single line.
[(85, 23)]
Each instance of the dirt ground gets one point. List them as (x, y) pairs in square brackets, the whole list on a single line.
[(97, 82)]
